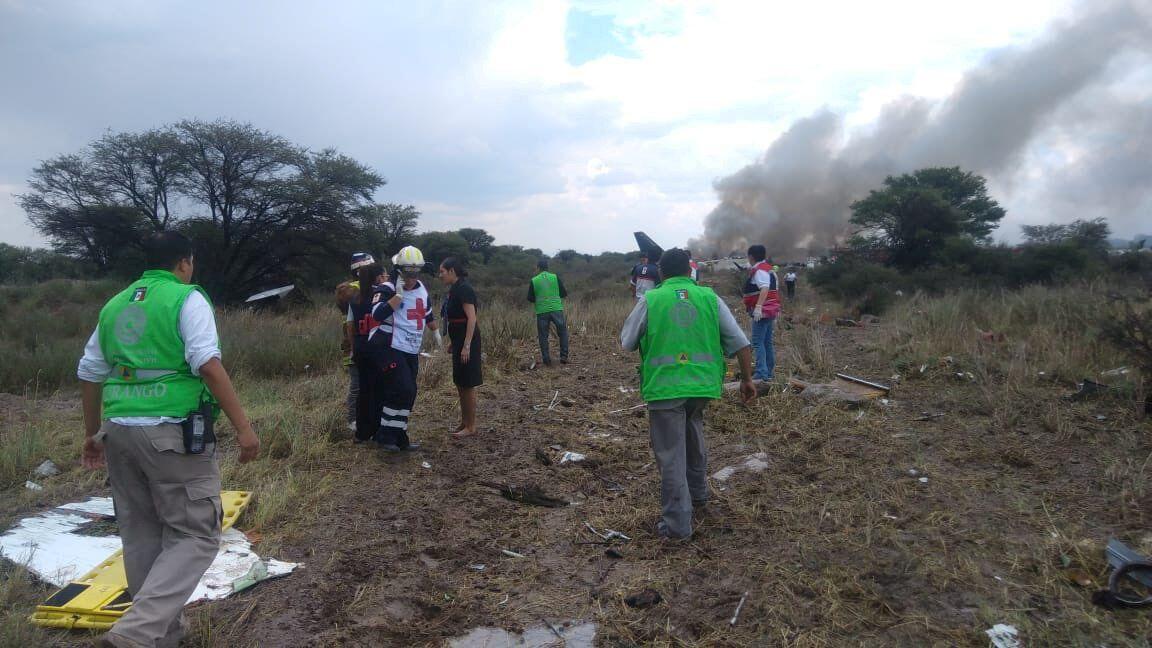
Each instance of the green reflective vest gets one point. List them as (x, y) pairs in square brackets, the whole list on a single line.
[(546, 287), (681, 350), (140, 338)]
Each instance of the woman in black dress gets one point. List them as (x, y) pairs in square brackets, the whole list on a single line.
[(459, 315)]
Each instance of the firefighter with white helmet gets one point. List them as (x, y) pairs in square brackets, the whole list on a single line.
[(402, 311)]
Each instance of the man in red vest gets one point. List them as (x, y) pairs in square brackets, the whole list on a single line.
[(762, 301)]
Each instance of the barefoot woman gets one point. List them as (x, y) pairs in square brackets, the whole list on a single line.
[(459, 313)]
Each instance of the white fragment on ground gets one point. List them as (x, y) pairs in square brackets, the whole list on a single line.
[(582, 635), (1004, 636), (754, 463), (33, 486), (49, 545), (573, 457), (923, 480), (425, 464), (47, 469)]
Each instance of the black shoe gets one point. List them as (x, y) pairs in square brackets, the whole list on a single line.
[(389, 447), (412, 446)]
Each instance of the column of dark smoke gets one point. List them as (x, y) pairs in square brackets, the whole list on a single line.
[(800, 190)]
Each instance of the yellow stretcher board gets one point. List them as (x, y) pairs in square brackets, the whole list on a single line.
[(97, 599)]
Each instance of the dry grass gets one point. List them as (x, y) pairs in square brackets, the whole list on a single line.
[(837, 542)]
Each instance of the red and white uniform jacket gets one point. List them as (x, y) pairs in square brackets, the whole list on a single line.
[(405, 325), (771, 306)]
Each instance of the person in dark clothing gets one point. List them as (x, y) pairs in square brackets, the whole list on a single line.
[(400, 307), (547, 292), (459, 315), (371, 379), (644, 277)]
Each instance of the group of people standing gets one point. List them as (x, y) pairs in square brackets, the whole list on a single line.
[(386, 316), (153, 383)]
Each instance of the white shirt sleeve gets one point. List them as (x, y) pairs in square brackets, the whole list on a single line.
[(732, 337), (635, 326), (93, 367), (764, 279), (198, 328)]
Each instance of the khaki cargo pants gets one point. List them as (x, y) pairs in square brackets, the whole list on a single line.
[(169, 513)]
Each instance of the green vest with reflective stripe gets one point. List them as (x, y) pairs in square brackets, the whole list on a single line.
[(546, 288), (140, 338), (681, 349)]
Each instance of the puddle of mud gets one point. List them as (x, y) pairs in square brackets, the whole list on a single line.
[(581, 635)]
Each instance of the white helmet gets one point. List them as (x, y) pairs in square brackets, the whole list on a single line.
[(409, 258)]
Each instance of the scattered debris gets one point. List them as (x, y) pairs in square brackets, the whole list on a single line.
[(1125, 563), (827, 393), (51, 547), (923, 480), (47, 469), (512, 554), (629, 409), (556, 396), (526, 495), (966, 375), (763, 387), (1101, 417), (844, 390), (33, 486), (844, 321), (1079, 577), (572, 457), (269, 296), (1087, 389), (869, 319), (739, 606), (626, 390), (643, 599), (425, 464), (754, 463), (928, 416), (913, 472), (608, 535), (1004, 636), (572, 634), (478, 567)]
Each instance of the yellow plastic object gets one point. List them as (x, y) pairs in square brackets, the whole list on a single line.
[(97, 599)]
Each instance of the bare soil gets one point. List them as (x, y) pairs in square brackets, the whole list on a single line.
[(839, 542), (870, 527)]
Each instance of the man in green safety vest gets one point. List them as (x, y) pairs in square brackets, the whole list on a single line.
[(683, 332), (151, 384), (547, 292)]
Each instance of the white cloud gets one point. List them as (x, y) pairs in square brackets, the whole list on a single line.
[(474, 113)]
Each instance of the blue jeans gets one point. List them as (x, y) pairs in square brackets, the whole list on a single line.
[(543, 322), (765, 351)]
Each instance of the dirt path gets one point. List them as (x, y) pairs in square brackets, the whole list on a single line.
[(869, 527)]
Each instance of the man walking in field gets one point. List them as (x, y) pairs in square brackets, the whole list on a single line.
[(683, 332), (547, 292), (790, 283), (152, 382)]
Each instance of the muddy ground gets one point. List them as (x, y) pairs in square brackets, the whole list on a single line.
[(869, 527), (839, 542)]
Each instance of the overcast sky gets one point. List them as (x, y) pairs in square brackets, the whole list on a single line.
[(551, 124)]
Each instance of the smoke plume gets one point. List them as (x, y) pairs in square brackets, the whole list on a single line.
[(1061, 88)]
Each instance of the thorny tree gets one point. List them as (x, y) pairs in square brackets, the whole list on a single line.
[(260, 209)]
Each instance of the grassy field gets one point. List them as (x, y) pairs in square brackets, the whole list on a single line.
[(836, 543)]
